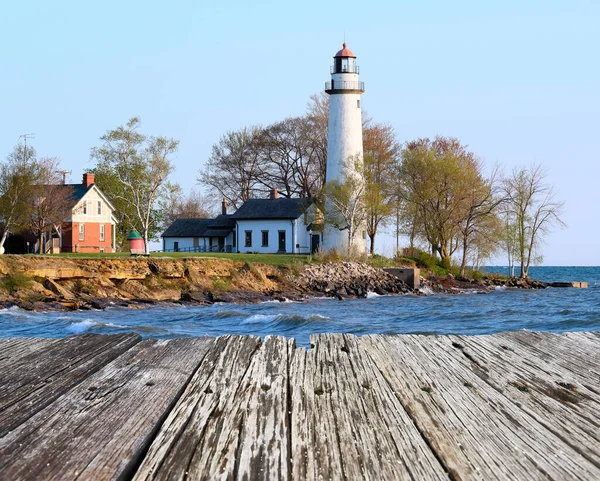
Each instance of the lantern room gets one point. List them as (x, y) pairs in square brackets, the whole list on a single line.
[(344, 61)]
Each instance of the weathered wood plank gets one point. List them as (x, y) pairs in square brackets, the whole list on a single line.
[(347, 422), (476, 432), (14, 348), (545, 393), (200, 436), (577, 357), (32, 382), (263, 448), (101, 428)]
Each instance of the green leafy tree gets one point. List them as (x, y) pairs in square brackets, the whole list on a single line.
[(133, 171), (381, 151), (435, 177)]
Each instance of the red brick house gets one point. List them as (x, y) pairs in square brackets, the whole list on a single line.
[(91, 227)]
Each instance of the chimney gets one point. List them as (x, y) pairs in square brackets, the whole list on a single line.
[(274, 194), (88, 179), (224, 206)]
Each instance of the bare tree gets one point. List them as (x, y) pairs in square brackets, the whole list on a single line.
[(136, 168), (317, 115), (533, 210), (17, 187), (344, 204), (178, 205), (52, 204), (231, 171)]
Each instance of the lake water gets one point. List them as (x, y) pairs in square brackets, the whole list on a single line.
[(553, 309)]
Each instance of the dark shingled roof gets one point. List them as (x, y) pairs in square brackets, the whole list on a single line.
[(79, 190), (221, 226), (281, 208)]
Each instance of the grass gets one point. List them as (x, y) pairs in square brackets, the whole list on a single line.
[(281, 260)]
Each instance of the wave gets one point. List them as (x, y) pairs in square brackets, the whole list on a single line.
[(229, 313), (80, 327), (285, 319)]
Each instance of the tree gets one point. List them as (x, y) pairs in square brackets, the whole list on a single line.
[(380, 157), (232, 169), (317, 118), (133, 171), (435, 177), (52, 202), (344, 207), (532, 210), (288, 160), (479, 228), (17, 187), (178, 205)]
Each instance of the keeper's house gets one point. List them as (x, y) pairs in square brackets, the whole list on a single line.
[(275, 225)]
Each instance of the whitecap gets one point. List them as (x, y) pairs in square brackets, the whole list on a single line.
[(500, 288), (426, 290), (318, 317), (256, 318), (82, 326), (371, 294)]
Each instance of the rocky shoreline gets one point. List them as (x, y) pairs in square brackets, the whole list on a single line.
[(43, 283)]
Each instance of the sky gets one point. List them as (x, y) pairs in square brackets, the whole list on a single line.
[(516, 81)]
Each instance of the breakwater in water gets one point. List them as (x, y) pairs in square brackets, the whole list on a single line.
[(556, 310)]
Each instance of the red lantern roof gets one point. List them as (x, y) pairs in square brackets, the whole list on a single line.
[(345, 52)]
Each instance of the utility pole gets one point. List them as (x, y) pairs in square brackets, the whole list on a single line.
[(25, 137)]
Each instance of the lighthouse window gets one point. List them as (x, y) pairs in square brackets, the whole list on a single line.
[(358, 104)]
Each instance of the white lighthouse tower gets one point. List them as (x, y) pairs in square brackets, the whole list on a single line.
[(344, 141)]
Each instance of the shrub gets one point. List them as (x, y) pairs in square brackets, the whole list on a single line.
[(16, 281), (222, 284)]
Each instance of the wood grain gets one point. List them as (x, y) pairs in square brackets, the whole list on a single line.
[(103, 426), (347, 422), (476, 431), (31, 382)]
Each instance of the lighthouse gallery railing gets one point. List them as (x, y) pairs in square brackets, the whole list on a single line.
[(344, 85)]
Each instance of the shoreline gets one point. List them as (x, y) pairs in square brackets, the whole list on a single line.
[(68, 284)]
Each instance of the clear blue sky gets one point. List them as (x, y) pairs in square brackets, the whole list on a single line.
[(518, 81)]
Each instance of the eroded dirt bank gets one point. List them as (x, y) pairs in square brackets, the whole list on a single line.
[(42, 283)]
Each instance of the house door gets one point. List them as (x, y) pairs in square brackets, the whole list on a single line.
[(281, 241), (314, 243)]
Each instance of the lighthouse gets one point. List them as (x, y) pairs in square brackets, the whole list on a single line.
[(344, 140)]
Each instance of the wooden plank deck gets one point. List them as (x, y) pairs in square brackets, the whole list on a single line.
[(520, 406)]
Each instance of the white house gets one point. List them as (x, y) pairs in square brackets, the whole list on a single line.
[(275, 225), (201, 235)]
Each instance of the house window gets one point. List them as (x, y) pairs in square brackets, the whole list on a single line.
[(99, 207), (102, 232), (248, 238), (84, 207), (176, 246), (81, 232), (265, 238)]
